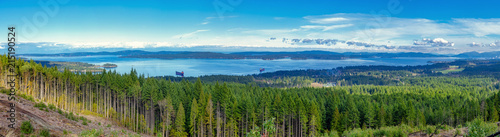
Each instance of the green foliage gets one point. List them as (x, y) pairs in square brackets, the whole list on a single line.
[(92, 133), (255, 132), (40, 105), (70, 116), (332, 133), (52, 107), (84, 123), (26, 127), (114, 133), (479, 128), (83, 118), (44, 133), (4, 91), (391, 131), (458, 132), (367, 100), (27, 97), (269, 126)]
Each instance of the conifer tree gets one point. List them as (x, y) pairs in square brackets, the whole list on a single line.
[(180, 122), (193, 117), (370, 115)]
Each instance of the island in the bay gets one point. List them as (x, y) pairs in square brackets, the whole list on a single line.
[(75, 66)]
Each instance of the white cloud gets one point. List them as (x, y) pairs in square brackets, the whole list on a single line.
[(437, 42), (132, 44), (362, 31), (270, 32), (188, 35), (326, 20), (207, 20), (493, 44), (480, 27), (325, 28), (383, 32)]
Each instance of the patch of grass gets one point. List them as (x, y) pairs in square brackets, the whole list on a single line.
[(52, 107), (109, 125), (44, 133), (83, 118), (84, 123), (70, 116), (27, 97), (133, 135), (5, 91), (451, 71), (86, 112), (26, 127), (40, 105), (114, 133), (92, 133)]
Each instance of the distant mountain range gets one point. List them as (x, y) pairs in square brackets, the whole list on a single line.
[(299, 55)]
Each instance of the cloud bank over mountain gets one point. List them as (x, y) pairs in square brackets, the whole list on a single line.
[(340, 31)]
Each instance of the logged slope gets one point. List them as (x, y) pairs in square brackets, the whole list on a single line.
[(57, 123)]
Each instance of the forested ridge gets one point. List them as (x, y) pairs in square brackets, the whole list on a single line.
[(159, 106)]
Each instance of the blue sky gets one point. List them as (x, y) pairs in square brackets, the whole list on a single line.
[(336, 25)]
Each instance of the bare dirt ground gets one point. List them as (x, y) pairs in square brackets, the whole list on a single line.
[(442, 133), (316, 85), (55, 122)]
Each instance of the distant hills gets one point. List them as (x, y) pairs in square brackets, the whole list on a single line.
[(299, 55), (494, 54)]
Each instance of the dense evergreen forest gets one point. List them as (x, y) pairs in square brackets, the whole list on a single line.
[(413, 98)]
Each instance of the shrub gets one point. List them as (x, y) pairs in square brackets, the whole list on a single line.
[(458, 132), (27, 97), (114, 133), (52, 107), (26, 127), (40, 105), (92, 133), (5, 91), (71, 116), (478, 128), (379, 133), (84, 123), (44, 133)]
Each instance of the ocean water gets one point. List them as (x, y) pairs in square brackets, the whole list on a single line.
[(199, 67)]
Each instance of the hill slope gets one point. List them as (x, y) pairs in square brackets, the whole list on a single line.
[(52, 120)]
